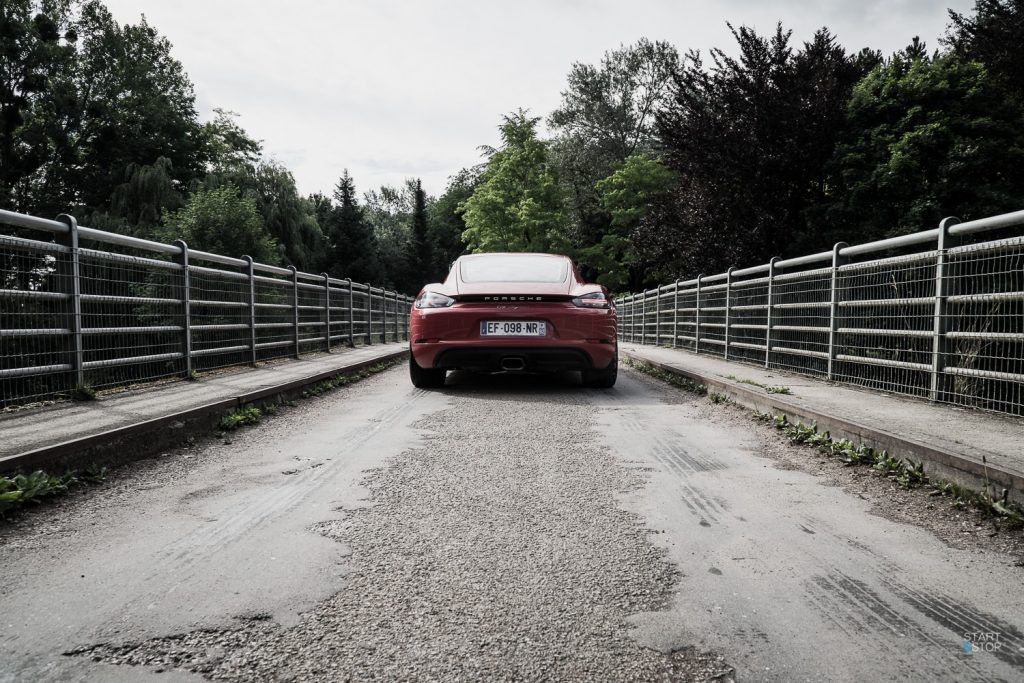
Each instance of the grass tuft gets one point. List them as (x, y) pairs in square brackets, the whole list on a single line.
[(20, 489)]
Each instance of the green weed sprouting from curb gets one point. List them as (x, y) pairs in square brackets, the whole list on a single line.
[(247, 415), (83, 392), (715, 397), (252, 414), (744, 380), (766, 387), (19, 489), (905, 472)]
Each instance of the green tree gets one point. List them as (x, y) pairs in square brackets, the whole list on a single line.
[(626, 195), (148, 191), (352, 241), (518, 205), (928, 138), (606, 115), (224, 221), (445, 224), (135, 105), (289, 218), (37, 58), (749, 138), (228, 147), (421, 249), (992, 36)]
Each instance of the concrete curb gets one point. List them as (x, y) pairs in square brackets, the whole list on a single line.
[(939, 463), (167, 429)]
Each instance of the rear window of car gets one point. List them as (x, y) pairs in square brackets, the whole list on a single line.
[(514, 269)]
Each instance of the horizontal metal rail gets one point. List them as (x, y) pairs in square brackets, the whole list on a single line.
[(931, 314), (74, 315)]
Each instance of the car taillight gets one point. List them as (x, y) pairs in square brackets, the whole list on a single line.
[(434, 300), (592, 300)]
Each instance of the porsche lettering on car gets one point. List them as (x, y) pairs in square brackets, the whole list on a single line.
[(513, 313)]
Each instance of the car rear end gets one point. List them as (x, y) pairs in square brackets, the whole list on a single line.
[(513, 313)]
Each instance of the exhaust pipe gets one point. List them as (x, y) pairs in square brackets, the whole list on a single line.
[(513, 363)]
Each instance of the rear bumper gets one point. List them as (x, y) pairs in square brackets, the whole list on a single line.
[(533, 359), (576, 338)]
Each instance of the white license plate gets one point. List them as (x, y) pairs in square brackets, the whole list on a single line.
[(513, 328)]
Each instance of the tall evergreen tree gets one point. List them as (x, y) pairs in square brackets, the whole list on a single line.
[(353, 244), (422, 252)]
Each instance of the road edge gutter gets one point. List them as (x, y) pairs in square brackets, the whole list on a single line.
[(174, 427), (938, 463)]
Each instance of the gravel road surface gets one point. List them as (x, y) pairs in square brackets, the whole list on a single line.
[(502, 528)]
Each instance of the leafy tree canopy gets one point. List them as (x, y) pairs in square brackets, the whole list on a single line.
[(927, 138), (225, 221), (518, 205)]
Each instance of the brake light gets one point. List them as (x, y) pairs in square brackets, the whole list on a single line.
[(592, 300), (434, 300)]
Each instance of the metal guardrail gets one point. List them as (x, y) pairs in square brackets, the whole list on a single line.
[(73, 317), (945, 324)]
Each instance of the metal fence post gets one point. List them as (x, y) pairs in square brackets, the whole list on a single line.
[(186, 300), (833, 308), (939, 314), (295, 308), (643, 317), (351, 314), (327, 311), (631, 321), (369, 315), (728, 306), (251, 272), (74, 291), (384, 315), (768, 316), (405, 318), (657, 317), (696, 327), (675, 314)]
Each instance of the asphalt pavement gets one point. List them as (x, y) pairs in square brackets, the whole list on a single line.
[(503, 527)]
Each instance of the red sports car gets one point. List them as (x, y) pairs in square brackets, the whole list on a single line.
[(513, 313)]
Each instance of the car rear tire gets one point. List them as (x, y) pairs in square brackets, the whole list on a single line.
[(602, 379), (425, 378)]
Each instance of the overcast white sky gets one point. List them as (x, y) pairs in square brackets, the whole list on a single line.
[(398, 88)]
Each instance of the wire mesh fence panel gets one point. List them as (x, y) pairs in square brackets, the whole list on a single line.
[(340, 300), (687, 318), (983, 354), (220, 318), (311, 316), (884, 325), (800, 321), (361, 316), (36, 355), (275, 317), (376, 324), (748, 319), (132, 319), (712, 319)]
